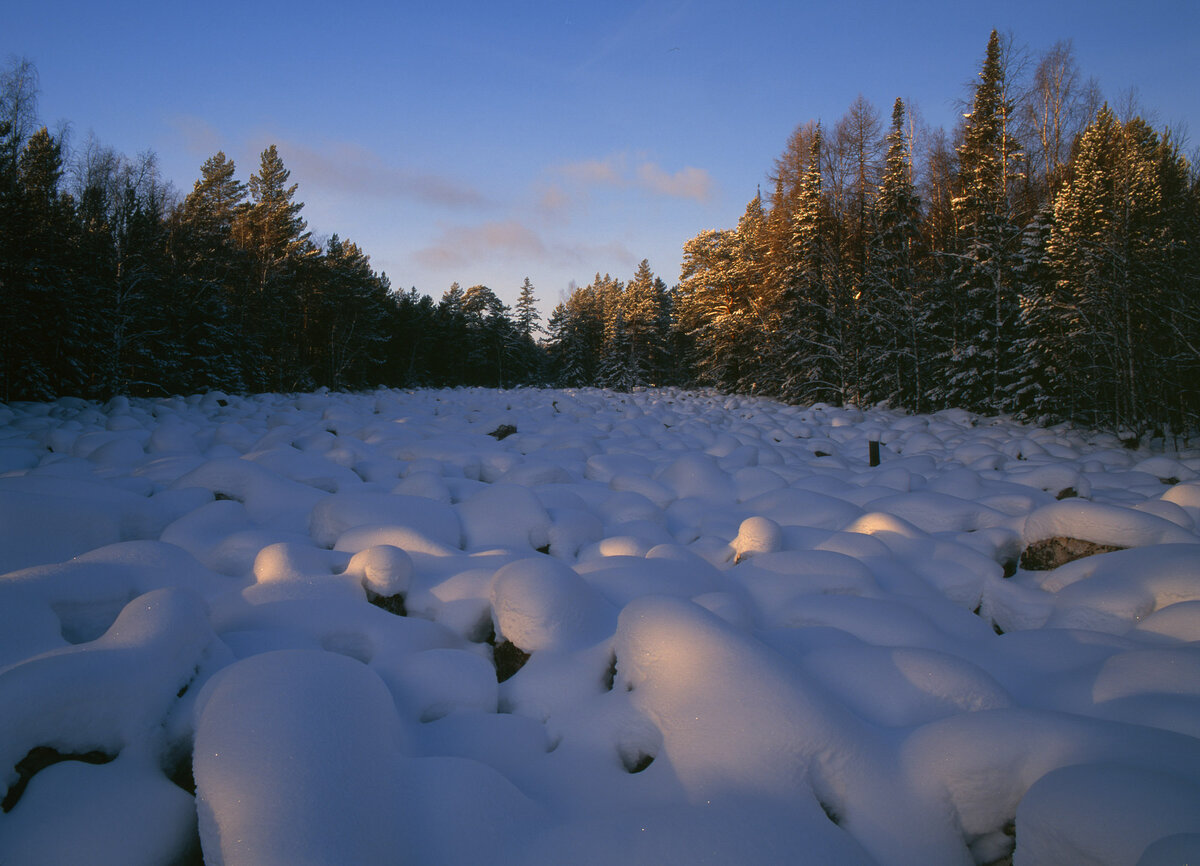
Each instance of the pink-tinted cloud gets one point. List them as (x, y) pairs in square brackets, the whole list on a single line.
[(620, 171), (610, 171), (351, 169), (199, 136), (464, 245), (513, 241), (689, 182), (553, 200)]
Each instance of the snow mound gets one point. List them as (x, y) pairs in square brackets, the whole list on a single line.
[(661, 627), (298, 760)]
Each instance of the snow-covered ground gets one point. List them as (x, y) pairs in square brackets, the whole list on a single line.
[(745, 645)]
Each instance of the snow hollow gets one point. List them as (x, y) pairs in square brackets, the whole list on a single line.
[(585, 627)]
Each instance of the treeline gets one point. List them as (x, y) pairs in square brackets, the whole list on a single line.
[(113, 284), (1042, 260), (1043, 263)]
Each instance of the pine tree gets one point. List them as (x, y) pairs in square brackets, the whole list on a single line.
[(709, 311), (271, 228), (345, 322), (212, 274), (275, 236), (492, 340), (214, 206)]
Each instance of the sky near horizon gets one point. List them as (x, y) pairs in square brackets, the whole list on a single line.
[(486, 142)]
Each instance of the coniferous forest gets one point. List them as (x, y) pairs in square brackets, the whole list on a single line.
[(1041, 260)]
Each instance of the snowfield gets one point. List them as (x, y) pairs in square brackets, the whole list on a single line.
[(552, 627)]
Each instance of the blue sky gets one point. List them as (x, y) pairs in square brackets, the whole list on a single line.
[(485, 142)]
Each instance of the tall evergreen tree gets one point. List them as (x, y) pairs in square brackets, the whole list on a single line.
[(814, 339), (213, 274), (271, 228), (43, 291), (855, 172), (527, 358), (709, 310), (892, 323), (528, 319), (643, 311), (984, 366), (1113, 303)]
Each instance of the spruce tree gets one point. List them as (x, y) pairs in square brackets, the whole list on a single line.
[(1114, 249), (643, 310), (895, 363), (813, 346), (527, 358), (527, 318), (43, 298), (708, 312), (983, 366)]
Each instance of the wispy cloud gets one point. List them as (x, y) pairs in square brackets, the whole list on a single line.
[(340, 167), (553, 200), (199, 136), (512, 241), (610, 171), (623, 171), (464, 245), (352, 169), (689, 182)]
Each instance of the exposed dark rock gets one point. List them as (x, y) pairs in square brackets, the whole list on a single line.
[(503, 431), (38, 759), (1067, 493), (1052, 552), (390, 603), (181, 774), (978, 611), (610, 675), (640, 764), (830, 813), (637, 762), (509, 659)]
